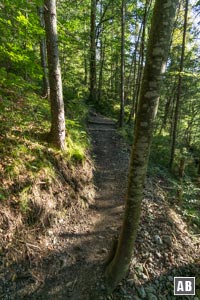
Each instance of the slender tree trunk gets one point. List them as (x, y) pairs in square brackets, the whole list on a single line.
[(117, 75), (85, 58), (157, 51), (198, 170), (112, 78), (43, 55), (141, 64), (85, 70), (177, 106), (135, 78), (93, 80), (56, 93), (102, 55), (133, 63), (140, 68), (25, 42), (121, 119), (190, 124), (171, 93)]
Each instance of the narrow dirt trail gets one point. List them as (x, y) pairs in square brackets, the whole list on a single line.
[(74, 268), (111, 161), (73, 264), (105, 215)]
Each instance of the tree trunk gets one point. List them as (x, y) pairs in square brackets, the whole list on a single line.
[(93, 80), (140, 68), (141, 60), (135, 78), (177, 105), (43, 54), (171, 92), (198, 170), (158, 46), (102, 56), (56, 95), (133, 70), (85, 56), (121, 119), (102, 42)]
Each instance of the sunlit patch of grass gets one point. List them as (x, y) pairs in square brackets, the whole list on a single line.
[(77, 140), (75, 151), (24, 199), (23, 119)]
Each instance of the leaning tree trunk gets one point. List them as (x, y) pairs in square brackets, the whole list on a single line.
[(43, 54), (56, 94), (157, 51)]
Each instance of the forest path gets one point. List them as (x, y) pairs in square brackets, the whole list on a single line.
[(74, 263), (105, 214), (111, 159), (74, 269)]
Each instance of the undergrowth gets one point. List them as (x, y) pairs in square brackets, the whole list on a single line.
[(184, 194), (26, 159)]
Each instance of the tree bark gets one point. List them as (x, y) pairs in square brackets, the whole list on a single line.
[(141, 38), (142, 57), (43, 55), (121, 119), (133, 67), (102, 57), (57, 133), (157, 51), (135, 78), (102, 42), (93, 80), (178, 97), (86, 58), (170, 93)]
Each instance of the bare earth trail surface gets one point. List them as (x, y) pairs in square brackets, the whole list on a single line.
[(79, 246), (90, 239), (74, 263)]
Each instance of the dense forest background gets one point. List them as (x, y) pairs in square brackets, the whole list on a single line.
[(92, 63)]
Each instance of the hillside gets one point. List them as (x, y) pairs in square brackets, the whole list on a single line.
[(41, 261)]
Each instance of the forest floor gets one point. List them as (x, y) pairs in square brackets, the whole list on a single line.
[(79, 245)]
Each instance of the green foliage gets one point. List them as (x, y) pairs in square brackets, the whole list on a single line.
[(188, 187), (127, 133), (25, 117), (160, 150), (19, 33), (24, 199), (77, 140), (24, 149)]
